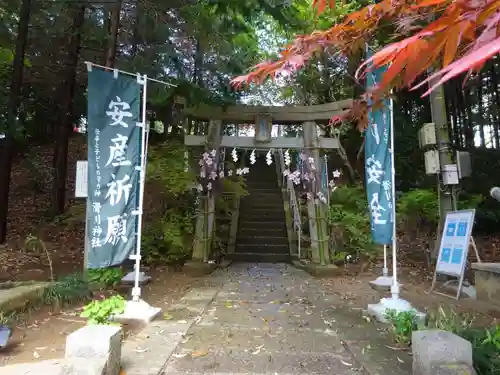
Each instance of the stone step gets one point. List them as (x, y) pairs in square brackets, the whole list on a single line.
[(262, 184), (263, 197), (257, 225), (265, 190), (261, 240), (249, 205), (262, 249), (259, 258), (262, 205), (251, 232), (251, 215)]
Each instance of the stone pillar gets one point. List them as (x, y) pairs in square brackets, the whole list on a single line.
[(206, 216), (316, 210)]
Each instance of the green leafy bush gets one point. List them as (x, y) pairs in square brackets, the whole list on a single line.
[(169, 239), (485, 342), (350, 223), (166, 164), (100, 312), (68, 290), (402, 325), (167, 235), (105, 277), (418, 209)]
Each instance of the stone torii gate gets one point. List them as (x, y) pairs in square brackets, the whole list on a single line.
[(263, 118)]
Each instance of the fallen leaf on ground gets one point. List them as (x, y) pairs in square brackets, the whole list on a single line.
[(345, 363), (199, 354), (179, 355), (257, 350)]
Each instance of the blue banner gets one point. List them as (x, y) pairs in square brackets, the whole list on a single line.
[(114, 161), (378, 166)]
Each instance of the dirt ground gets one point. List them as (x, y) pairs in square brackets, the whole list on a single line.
[(43, 335), (356, 291)]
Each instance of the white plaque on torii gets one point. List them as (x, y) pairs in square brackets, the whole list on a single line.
[(263, 128)]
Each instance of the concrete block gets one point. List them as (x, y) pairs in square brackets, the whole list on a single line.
[(97, 341), (436, 349), (456, 369), (197, 268), (74, 366), (317, 270), (487, 277)]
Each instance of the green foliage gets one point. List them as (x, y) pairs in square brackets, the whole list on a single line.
[(166, 165), (168, 235), (99, 312), (169, 239), (485, 342), (7, 319), (350, 223), (105, 277), (68, 290), (485, 350), (402, 325), (418, 209), (35, 244), (418, 206), (449, 321), (232, 188)]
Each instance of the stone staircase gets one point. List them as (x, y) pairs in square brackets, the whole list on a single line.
[(262, 234)]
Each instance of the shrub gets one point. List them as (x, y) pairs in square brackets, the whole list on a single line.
[(418, 209), (349, 223), (100, 312), (70, 289), (485, 342), (105, 277), (167, 236), (169, 239)]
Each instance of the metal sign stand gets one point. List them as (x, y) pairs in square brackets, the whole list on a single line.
[(137, 308), (445, 256)]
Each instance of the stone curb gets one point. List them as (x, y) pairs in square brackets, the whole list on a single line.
[(317, 270), (148, 352), (199, 269)]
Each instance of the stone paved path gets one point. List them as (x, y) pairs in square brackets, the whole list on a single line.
[(265, 319)]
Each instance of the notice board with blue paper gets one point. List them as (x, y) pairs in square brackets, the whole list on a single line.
[(454, 246)]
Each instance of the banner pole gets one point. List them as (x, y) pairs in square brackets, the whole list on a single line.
[(136, 291), (394, 303), (395, 284), (385, 270)]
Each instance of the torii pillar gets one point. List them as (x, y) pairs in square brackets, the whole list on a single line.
[(205, 222), (316, 210)]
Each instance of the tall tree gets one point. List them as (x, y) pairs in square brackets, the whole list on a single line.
[(13, 115), (67, 90)]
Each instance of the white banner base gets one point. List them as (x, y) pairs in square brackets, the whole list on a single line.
[(382, 283), (380, 309), (138, 311), (130, 278)]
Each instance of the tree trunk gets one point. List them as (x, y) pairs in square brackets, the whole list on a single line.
[(13, 108), (198, 64), (494, 88), (136, 35), (113, 35), (67, 91)]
